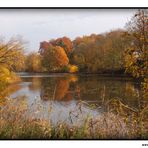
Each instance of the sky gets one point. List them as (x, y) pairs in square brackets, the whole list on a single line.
[(38, 25)]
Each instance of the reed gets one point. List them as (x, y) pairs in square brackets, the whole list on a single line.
[(17, 123)]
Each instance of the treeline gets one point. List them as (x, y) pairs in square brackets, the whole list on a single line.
[(97, 53), (116, 51), (100, 53)]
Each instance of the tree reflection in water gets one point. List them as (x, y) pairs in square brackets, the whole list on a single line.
[(58, 89), (78, 95), (92, 89)]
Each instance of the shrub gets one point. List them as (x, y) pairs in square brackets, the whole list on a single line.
[(72, 68)]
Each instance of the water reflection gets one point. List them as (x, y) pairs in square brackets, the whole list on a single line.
[(65, 91)]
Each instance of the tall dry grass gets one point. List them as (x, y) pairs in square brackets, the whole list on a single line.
[(17, 123)]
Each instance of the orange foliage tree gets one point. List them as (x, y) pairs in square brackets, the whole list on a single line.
[(54, 58), (63, 42)]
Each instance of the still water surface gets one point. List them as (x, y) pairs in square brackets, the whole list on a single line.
[(60, 95)]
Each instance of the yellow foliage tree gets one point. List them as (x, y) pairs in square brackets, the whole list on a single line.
[(136, 56), (72, 68)]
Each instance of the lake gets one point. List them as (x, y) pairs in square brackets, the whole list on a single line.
[(67, 97)]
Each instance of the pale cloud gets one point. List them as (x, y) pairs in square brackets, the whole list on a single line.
[(38, 25)]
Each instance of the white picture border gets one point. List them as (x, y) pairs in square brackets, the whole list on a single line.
[(73, 3), (74, 144)]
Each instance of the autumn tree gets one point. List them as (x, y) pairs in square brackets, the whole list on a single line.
[(114, 47), (136, 56), (9, 56), (84, 53), (33, 62), (9, 52), (43, 46), (54, 58), (19, 64), (100, 53), (63, 42)]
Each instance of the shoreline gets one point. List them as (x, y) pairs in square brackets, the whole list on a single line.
[(45, 74)]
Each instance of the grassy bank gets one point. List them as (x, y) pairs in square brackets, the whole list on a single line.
[(119, 122), (7, 80)]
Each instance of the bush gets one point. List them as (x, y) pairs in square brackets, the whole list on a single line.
[(6, 78), (72, 68)]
